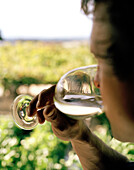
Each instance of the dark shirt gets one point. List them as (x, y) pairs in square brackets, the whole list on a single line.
[(130, 166)]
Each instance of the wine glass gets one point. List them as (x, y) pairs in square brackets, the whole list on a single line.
[(75, 95), (19, 110)]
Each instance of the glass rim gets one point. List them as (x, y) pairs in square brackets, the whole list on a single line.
[(93, 66)]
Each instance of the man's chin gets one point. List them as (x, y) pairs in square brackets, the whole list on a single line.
[(119, 136)]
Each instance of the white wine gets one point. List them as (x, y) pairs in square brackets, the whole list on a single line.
[(77, 106)]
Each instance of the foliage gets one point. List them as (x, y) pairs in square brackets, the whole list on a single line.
[(39, 62), (37, 149), (104, 132), (40, 149)]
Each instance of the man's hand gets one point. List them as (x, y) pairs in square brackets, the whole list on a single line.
[(92, 152), (64, 127)]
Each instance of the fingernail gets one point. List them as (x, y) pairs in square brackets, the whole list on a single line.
[(48, 103), (51, 112)]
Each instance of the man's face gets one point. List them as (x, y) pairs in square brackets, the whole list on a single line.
[(114, 92)]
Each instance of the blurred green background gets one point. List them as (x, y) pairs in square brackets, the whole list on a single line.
[(36, 62)]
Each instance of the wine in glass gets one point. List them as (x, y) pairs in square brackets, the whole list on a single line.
[(75, 95)]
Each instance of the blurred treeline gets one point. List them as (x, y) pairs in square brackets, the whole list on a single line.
[(34, 63), (39, 62)]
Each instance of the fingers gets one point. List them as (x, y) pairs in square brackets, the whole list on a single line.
[(45, 97), (32, 106), (58, 119), (50, 113), (41, 100), (43, 106), (63, 127), (41, 118)]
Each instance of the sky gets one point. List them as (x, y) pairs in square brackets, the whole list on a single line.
[(43, 19)]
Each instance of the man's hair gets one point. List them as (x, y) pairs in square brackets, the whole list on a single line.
[(122, 50)]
